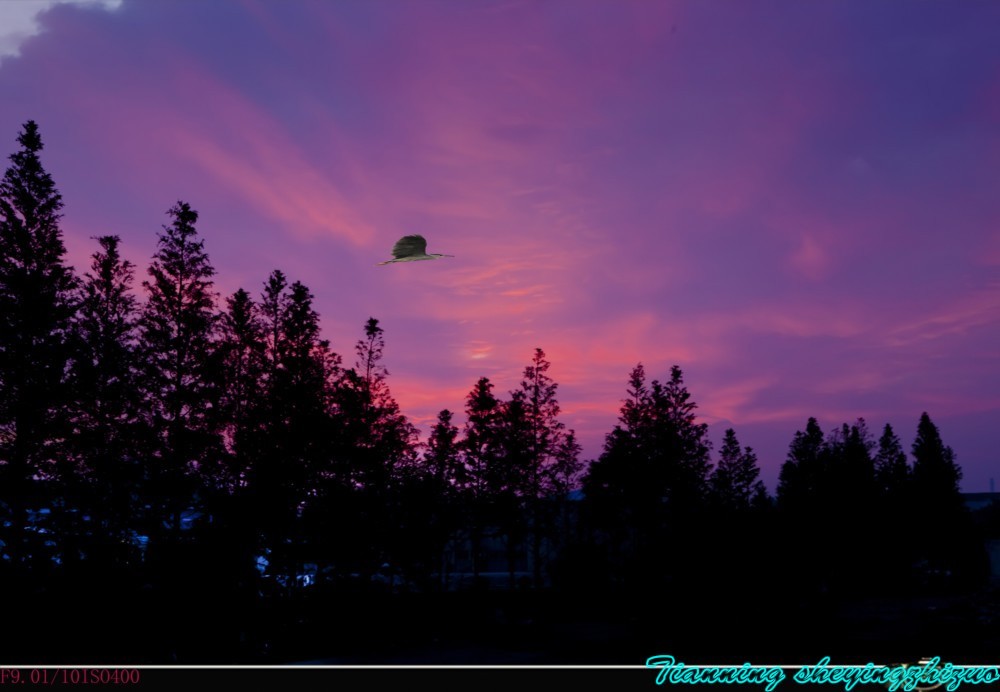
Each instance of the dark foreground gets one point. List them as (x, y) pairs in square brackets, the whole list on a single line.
[(499, 628)]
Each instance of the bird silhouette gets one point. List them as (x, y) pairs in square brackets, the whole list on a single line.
[(411, 248)]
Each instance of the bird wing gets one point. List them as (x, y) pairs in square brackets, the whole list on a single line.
[(409, 245)]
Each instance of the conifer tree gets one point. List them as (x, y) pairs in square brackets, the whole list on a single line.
[(613, 484), (894, 521), (850, 502), (379, 437), (442, 457), (650, 480), (177, 327), (732, 527), (936, 475), (950, 548), (666, 452), (293, 471), (445, 478), (687, 440), (269, 476), (548, 462), (376, 454), (801, 473), (510, 479), (827, 492), (36, 309), (851, 468), (892, 471), (482, 450), (733, 483), (242, 355), (305, 384), (391, 434), (106, 410), (565, 474)]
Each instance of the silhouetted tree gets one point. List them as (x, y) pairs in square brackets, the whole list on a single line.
[(950, 551), (303, 386), (377, 449), (177, 327), (36, 307), (483, 452), (510, 478), (566, 468), (801, 474), (733, 483), (828, 492), (851, 468), (687, 440), (732, 531), (892, 471), (106, 408), (271, 476), (442, 458), (241, 350), (761, 500), (650, 480), (274, 305), (801, 499), (391, 435), (622, 492), (445, 477), (238, 514), (565, 473), (892, 524), (297, 460), (936, 476), (853, 514), (549, 465)]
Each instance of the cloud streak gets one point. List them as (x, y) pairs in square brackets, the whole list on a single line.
[(792, 201)]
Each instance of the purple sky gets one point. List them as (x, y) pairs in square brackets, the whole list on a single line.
[(798, 203)]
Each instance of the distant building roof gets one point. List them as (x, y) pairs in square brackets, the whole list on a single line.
[(976, 501)]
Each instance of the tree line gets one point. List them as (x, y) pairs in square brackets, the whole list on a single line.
[(145, 441)]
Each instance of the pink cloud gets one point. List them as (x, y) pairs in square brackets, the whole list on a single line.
[(620, 182), (955, 318)]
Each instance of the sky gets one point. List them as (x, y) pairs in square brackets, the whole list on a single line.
[(797, 203)]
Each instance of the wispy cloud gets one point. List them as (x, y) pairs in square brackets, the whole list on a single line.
[(776, 201)]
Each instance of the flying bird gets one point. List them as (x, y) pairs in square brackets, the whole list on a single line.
[(411, 248)]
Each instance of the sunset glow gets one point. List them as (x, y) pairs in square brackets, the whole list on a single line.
[(796, 203)]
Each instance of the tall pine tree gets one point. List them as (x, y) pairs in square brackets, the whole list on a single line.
[(106, 409), (894, 523), (384, 445), (550, 465), (242, 356), (892, 471), (177, 327), (949, 545), (733, 484), (650, 480), (482, 449), (295, 468), (444, 478), (802, 472), (36, 308), (936, 476)]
